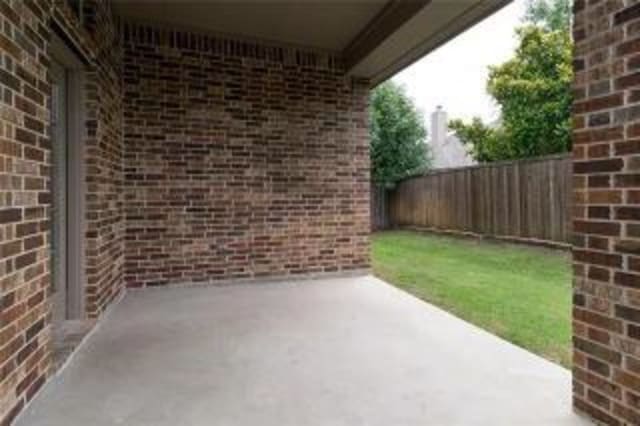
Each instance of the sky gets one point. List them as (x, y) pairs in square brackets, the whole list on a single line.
[(455, 74)]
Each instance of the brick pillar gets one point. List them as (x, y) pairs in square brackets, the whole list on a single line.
[(606, 212)]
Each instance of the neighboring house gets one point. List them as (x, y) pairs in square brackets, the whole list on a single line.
[(447, 150), (147, 144)]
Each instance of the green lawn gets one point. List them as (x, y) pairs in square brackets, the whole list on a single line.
[(522, 294)]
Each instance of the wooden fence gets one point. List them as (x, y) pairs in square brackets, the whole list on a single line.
[(379, 208), (519, 200)]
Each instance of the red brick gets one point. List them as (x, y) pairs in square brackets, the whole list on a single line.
[(596, 104), (599, 181), (631, 381), (599, 336), (596, 166), (597, 273), (10, 215), (627, 280), (631, 46), (627, 180), (597, 258), (598, 243), (627, 81), (628, 14), (599, 212), (628, 313), (598, 135), (604, 196), (598, 320), (598, 228)]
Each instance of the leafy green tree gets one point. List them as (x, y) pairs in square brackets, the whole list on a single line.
[(487, 143), (398, 146), (552, 15), (533, 90)]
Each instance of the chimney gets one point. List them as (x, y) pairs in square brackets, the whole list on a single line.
[(438, 127)]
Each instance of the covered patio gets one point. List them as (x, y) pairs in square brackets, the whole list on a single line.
[(344, 351), (162, 143)]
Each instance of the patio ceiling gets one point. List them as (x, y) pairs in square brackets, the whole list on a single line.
[(376, 38)]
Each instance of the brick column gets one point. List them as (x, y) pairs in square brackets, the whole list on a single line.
[(606, 212)]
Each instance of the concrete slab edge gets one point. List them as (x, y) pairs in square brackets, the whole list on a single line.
[(361, 272)]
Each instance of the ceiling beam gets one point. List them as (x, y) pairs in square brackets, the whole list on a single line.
[(392, 16)]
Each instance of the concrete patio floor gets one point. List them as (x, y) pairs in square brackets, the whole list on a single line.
[(348, 351)]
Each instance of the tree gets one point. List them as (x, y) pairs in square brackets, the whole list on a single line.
[(487, 143), (398, 146), (533, 90), (552, 15)]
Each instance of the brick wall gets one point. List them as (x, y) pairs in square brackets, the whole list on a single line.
[(25, 331), (24, 205), (241, 160), (104, 162), (607, 211)]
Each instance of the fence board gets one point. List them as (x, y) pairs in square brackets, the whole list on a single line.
[(379, 208), (525, 199)]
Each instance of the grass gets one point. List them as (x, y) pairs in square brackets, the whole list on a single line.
[(522, 294)]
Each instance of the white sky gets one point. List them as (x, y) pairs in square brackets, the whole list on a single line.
[(455, 75)]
